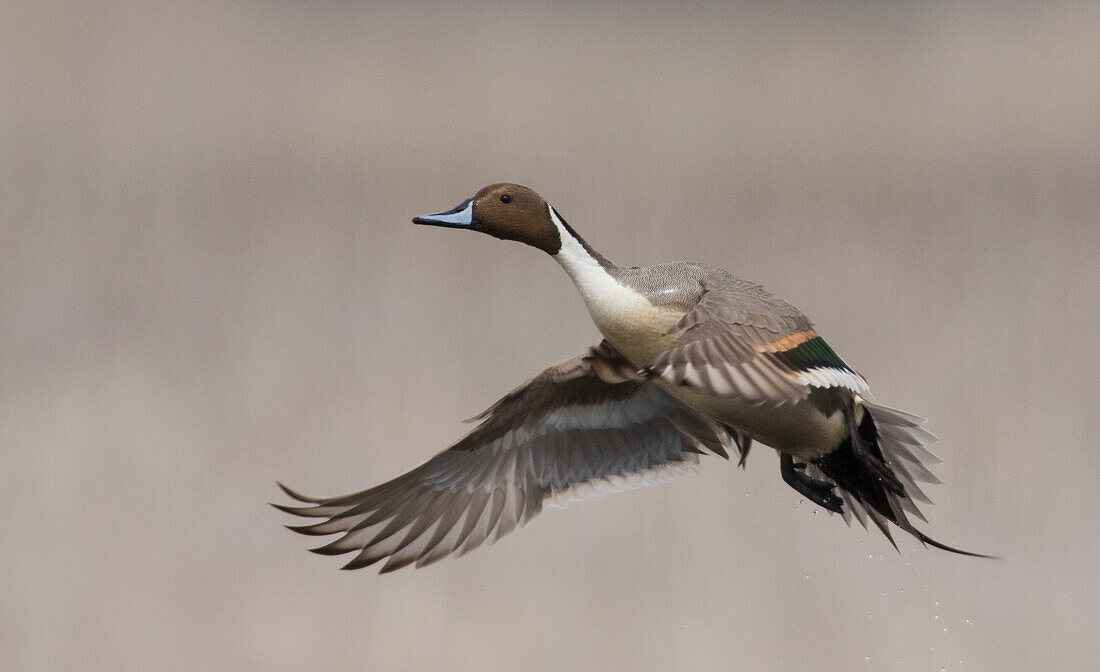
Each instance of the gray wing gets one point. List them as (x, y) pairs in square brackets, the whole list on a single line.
[(581, 428), (740, 341)]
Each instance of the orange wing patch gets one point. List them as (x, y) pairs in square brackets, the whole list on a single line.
[(788, 342)]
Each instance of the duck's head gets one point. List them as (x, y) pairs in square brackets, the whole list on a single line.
[(505, 211)]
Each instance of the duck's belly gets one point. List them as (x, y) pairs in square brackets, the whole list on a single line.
[(638, 330), (800, 429)]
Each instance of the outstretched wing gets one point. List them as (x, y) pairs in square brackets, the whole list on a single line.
[(740, 341), (581, 428)]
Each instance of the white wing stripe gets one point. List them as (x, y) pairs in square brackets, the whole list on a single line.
[(829, 377)]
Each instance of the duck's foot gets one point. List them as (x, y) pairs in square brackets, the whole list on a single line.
[(817, 491)]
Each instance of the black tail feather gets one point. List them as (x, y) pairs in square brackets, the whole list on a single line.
[(951, 549), (866, 485)]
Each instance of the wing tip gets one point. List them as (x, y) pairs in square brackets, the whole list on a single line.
[(293, 494), (308, 530), (359, 563), (292, 510), (330, 549)]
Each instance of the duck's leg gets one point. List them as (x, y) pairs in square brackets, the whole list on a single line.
[(743, 442), (817, 491), (875, 464)]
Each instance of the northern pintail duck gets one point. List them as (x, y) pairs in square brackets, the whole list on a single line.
[(692, 360)]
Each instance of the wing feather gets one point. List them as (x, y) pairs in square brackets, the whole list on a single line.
[(740, 341), (581, 428)]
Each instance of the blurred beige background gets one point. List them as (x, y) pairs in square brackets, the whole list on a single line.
[(209, 281)]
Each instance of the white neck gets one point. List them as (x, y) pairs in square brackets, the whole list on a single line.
[(626, 318), (588, 275)]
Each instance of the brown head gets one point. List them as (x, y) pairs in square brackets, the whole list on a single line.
[(505, 211)]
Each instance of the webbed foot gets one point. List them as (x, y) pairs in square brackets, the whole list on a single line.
[(817, 491)]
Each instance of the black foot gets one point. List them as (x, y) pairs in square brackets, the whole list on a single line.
[(817, 491)]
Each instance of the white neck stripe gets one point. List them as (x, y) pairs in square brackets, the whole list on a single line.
[(572, 253), (594, 282)]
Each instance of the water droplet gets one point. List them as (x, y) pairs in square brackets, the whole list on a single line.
[(807, 576), (970, 623), (936, 616), (937, 603), (867, 658)]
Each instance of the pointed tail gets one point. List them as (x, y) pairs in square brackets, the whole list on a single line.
[(897, 440)]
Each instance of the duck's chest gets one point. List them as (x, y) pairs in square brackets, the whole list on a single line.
[(631, 322), (638, 328), (633, 308)]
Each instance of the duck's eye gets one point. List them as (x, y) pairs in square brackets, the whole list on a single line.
[(505, 199)]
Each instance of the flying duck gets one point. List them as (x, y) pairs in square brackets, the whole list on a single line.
[(692, 361)]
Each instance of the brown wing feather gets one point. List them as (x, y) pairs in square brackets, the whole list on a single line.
[(566, 433), (738, 341), (723, 348)]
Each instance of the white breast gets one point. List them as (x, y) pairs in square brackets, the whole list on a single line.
[(627, 319)]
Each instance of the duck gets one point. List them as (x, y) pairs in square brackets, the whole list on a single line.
[(692, 361)]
